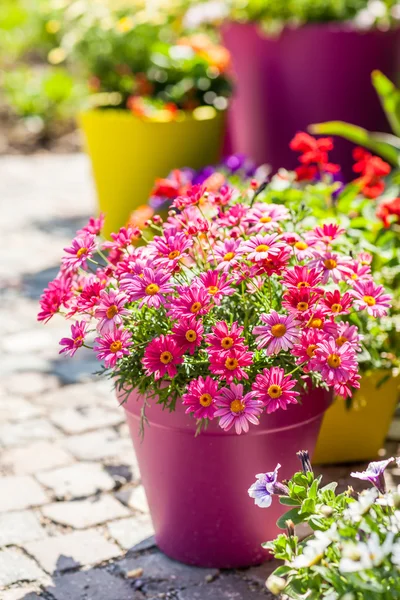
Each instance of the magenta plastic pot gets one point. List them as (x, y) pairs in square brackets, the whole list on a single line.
[(197, 486), (307, 75)]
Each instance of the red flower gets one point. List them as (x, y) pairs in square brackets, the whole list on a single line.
[(372, 169), (388, 208), (314, 155)]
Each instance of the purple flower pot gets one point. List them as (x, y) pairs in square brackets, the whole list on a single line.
[(307, 75), (197, 486)]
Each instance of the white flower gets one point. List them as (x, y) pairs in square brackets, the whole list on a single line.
[(331, 596), (282, 180), (275, 584), (396, 554), (365, 555), (315, 548), (357, 509), (207, 12)]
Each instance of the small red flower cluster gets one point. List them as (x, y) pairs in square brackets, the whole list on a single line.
[(314, 156), (371, 169)]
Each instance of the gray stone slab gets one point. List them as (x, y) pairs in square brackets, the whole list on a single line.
[(226, 587), (18, 434), (73, 421), (130, 532), (77, 481), (39, 456), (97, 445), (15, 566), (30, 383), (17, 493), (135, 498), (71, 550), (19, 527), (81, 514), (99, 392), (94, 584), (17, 409), (21, 593)]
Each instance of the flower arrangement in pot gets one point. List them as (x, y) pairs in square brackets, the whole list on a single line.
[(157, 98), (226, 324), (283, 50)]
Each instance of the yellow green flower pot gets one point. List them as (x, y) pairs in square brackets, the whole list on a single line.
[(129, 153), (357, 434)]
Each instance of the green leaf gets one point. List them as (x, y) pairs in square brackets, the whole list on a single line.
[(288, 501), (292, 515), (308, 506), (389, 96), (330, 486), (282, 571)]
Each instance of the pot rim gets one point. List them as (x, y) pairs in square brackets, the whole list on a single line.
[(209, 114), (330, 26)]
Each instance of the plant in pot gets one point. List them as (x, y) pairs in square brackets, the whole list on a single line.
[(158, 100), (224, 326), (295, 63)]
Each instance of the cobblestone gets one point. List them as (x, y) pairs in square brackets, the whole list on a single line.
[(97, 445), (16, 566), (21, 593), (86, 513), (39, 456), (96, 584), (18, 434), (77, 481), (17, 409), (17, 528), (73, 421), (17, 493), (129, 532)]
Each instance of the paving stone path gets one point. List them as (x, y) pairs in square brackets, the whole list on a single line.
[(74, 522)]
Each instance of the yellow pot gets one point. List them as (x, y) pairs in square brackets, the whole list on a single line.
[(358, 434), (129, 153)]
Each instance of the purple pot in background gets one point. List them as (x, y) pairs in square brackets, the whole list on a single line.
[(307, 75), (197, 486)]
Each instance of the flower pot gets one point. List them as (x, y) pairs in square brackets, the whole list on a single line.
[(129, 153), (306, 75), (197, 486), (358, 433)]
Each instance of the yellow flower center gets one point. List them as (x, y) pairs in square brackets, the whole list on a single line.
[(237, 406), (369, 300), (116, 346), (301, 246), (231, 364), (316, 323), (229, 256), (311, 350), (278, 330), (195, 307), (111, 311), (302, 306), (166, 357), (227, 342), (173, 254), (262, 248), (334, 361), (265, 219), (336, 308), (78, 339), (191, 335), (275, 391), (152, 289), (341, 340), (303, 284), (213, 290), (330, 264), (81, 251), (354, 276), (205, 400)]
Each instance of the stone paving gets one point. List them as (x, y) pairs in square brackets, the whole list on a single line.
[(74, 522)]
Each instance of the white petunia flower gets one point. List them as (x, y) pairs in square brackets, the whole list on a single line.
[(361, 506), (365, 555), (315, 548)]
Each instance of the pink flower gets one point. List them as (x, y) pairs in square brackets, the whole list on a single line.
[(306, 347), (300, 301), (223, 338), (89, 296), (200, 398), (226, 254), (265, 217), (235, 408), (358, 272), (365, 258), (345, 389), (78, 332), (275, 263), (230, 365), (331, 265), (302, 277), (188, 333), (112, 346), (192, 197), (217, 284), (93, 226), (348, 333), (280, 332), (337, 304), (162, 355), (125, 237), (233, 217), (335, 363), (110, 310), (170, 248), (57, 295), (275, 389), (151, 287), (82, 248), (371, 297), (261, 247), (319, 320), (326, 234), (193, 300)]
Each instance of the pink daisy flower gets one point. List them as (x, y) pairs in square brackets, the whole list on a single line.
[(237, 409), (226, 254), (275, 389), (150, 287), (93, 226), (77, 339), (335, 363), (58, 294), (230, 365), (325, 234), (217, 284), (306, 347), (319, 319), (82, 248), (302, 277), (358, 272), (345, 389), (188, 333), (275, 263), (300, 301), (126, 236), (280, 332), (170, 248), (193, 300), (337, 304), (331, 265), (233, 217), (112, 346), (162, 355), (191, 197), (348, 333), (261, 247), (265, 217), (200, 397), (365, 258), (89, 297), (110, 310), (303, 249), (223, 338), (371, 297)]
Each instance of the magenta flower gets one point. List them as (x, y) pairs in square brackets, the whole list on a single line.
[(300, 301), (331, 265), (125, 237), (235, 408), (325, 234), (375, 474), (217, 284), (170, 248), (110, 310), (112, 346), (58, 294), (337, 304), (275, 389), (261, 247), (265, 217), (280, 332), (188, 333), (345, 389), (371, 297), (306, 347), (225, 254), (319, 320), (77, 339), (303, 249), (365, 258), (335, 363), (150, 288), (192, 300), (93, 226), (348, 333), (230, 365), (276, 263), (200, 398), (82, 248), (223, 338), (191, 197), (162, 355), (358, 272), (302, 277), (89, 297)]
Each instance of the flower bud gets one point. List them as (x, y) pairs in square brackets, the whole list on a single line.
[(326, 511), (157, 219), (289, 528), (275, 584), (305, 461)]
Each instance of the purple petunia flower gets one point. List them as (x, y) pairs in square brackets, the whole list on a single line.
[(265, 487), (375, 474)]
